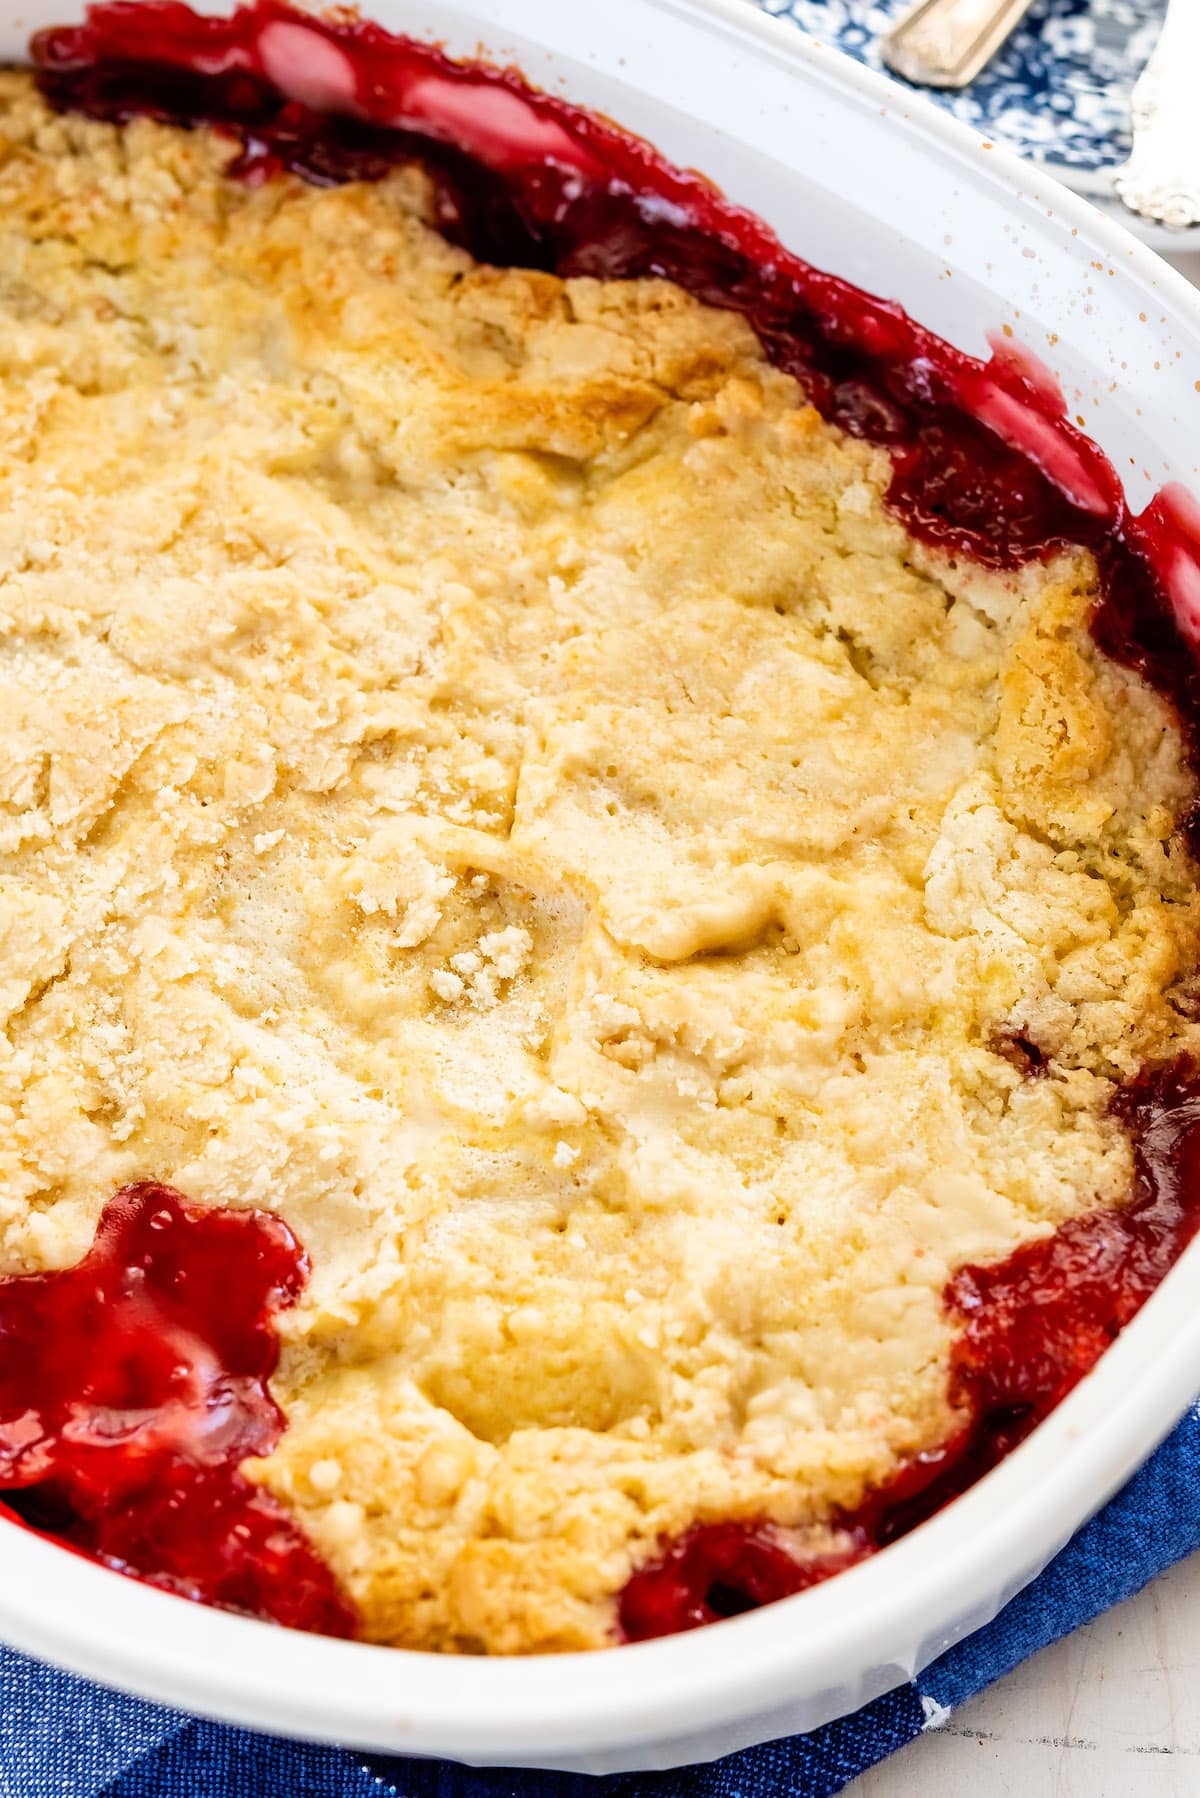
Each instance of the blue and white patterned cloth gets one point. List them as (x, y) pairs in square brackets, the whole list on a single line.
[(1059, 90), (63, 1738)]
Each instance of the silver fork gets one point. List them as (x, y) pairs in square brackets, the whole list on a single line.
[(945, 43), (1161, 180)]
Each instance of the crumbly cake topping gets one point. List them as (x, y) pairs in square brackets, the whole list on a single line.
[(482, 775)]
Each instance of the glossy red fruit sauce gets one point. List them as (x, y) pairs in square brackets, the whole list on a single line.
[(134, 1384), (985, 463)]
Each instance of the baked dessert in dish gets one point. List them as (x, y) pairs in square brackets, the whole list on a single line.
[(599, 921)]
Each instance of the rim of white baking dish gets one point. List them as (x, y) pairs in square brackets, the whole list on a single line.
[(60, 1607)]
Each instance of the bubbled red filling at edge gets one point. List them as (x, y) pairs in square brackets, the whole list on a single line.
[(133, 1385), (985, 462)]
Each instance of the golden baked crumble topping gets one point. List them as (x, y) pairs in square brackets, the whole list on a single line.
[(482, 775)]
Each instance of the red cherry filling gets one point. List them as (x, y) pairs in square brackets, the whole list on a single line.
[(720, 1570), (134, 1384)]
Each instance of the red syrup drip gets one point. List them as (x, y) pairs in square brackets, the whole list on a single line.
[(985, 463), (134, 1384), (1031, 1327)]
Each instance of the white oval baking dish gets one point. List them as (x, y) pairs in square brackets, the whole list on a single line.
[(863, 180)]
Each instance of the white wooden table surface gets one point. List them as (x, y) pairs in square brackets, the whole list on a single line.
[(1110, 1712)]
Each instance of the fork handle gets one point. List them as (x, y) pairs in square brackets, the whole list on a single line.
[(1161, 180), (945, 43)]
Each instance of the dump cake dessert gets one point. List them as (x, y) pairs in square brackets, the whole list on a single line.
[(597, 986)]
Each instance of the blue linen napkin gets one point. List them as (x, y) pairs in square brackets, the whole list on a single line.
[(61, 1737)]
